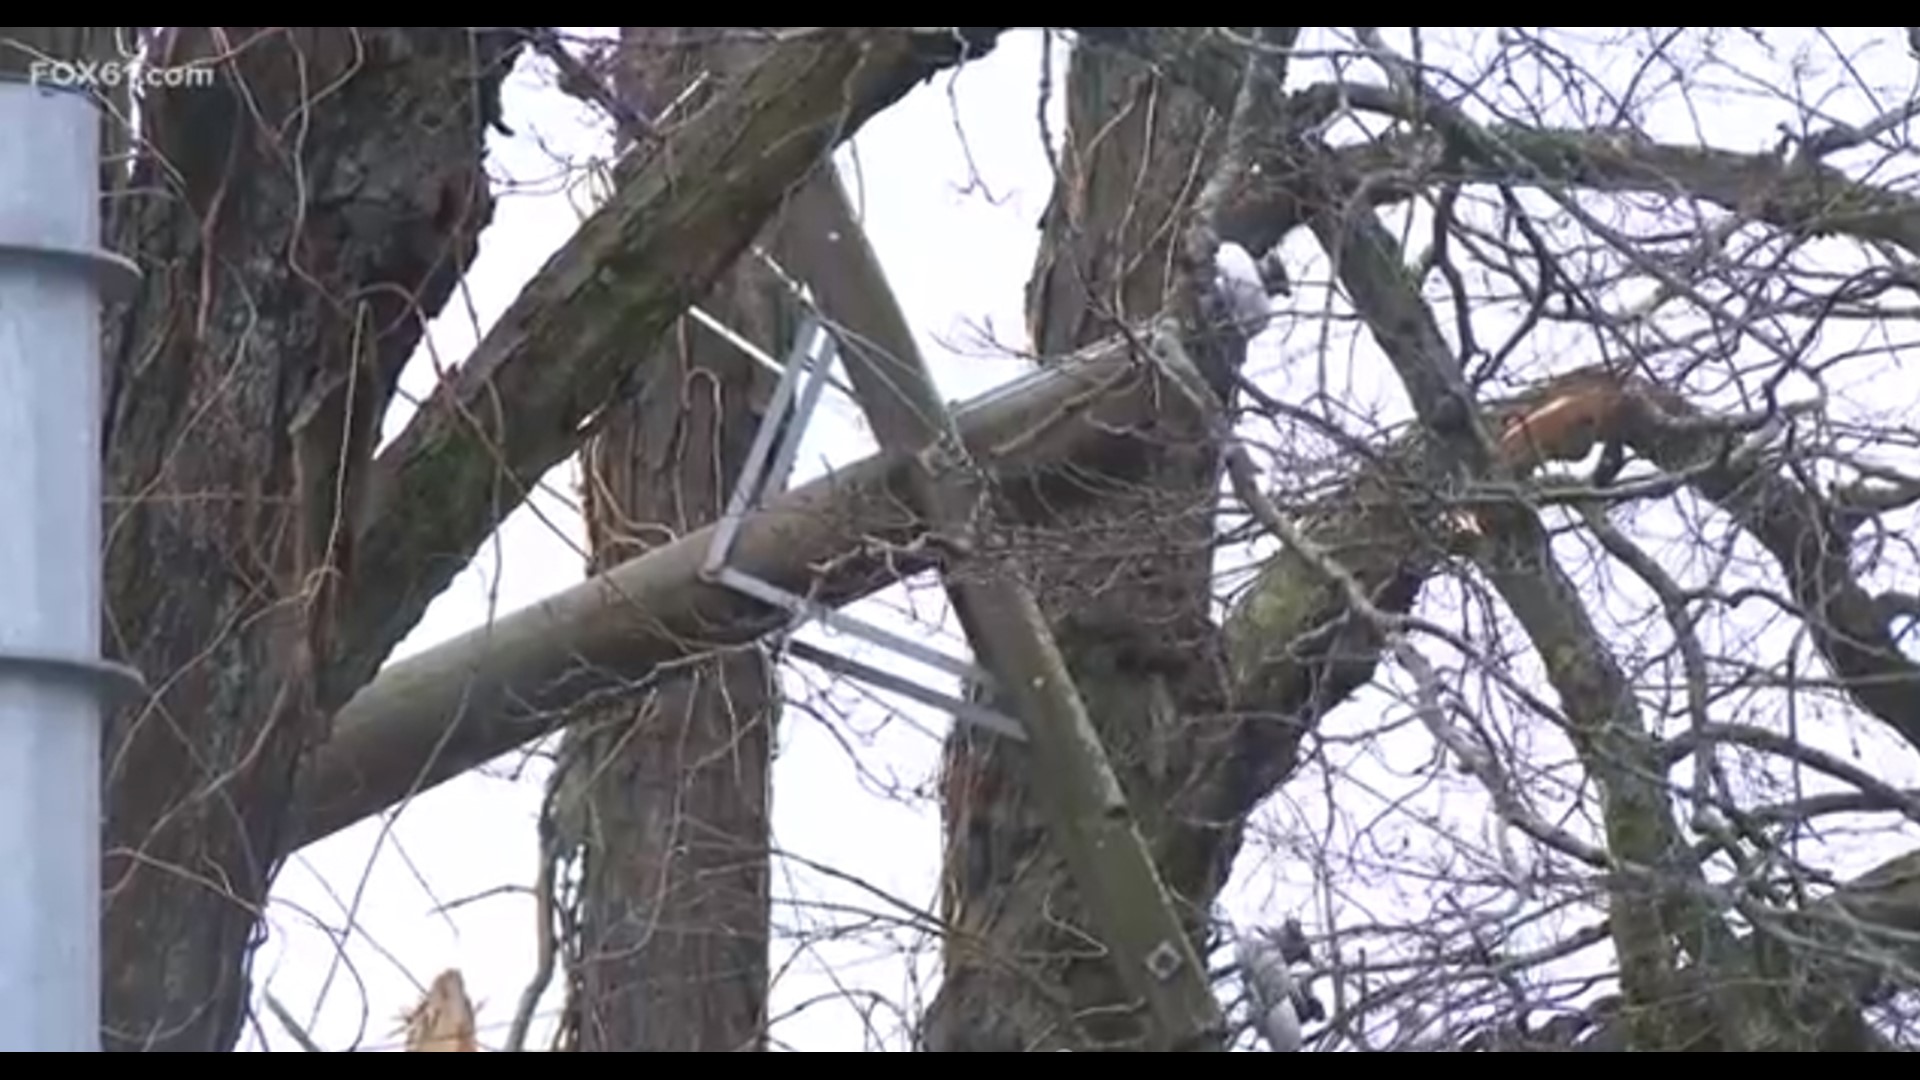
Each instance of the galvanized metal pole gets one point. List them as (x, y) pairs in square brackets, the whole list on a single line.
[(52, 682)]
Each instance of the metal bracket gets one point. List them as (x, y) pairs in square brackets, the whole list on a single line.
[(1164, 961), (769, 462)]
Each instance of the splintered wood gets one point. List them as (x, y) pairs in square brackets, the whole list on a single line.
[(443, 1021)]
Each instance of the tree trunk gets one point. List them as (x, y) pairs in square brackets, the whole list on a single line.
[(292, 251), (664, 797), (1128, 600)]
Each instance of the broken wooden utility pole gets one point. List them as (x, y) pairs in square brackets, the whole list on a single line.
[(433, 716)]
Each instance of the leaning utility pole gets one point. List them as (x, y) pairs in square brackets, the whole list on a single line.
[(51, 677)]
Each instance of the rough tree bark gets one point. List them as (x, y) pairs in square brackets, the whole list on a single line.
[(292, 251), (664, 797)]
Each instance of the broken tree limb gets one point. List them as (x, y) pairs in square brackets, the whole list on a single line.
[(430, 717), (1087, 812)]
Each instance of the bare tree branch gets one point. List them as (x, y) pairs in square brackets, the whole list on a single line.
[(1606, 724), (1808, 539)]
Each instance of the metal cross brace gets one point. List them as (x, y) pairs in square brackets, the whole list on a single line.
[(769, 462)]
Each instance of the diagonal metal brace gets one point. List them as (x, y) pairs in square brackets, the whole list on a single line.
[(776, 444)]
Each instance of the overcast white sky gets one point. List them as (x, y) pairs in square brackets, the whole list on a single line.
[(360, 922)]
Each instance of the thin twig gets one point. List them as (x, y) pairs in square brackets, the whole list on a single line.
[(544, 943), (293, 1027)]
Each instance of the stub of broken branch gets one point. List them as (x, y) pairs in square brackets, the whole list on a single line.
[(1564, 418), (443, 1021)]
